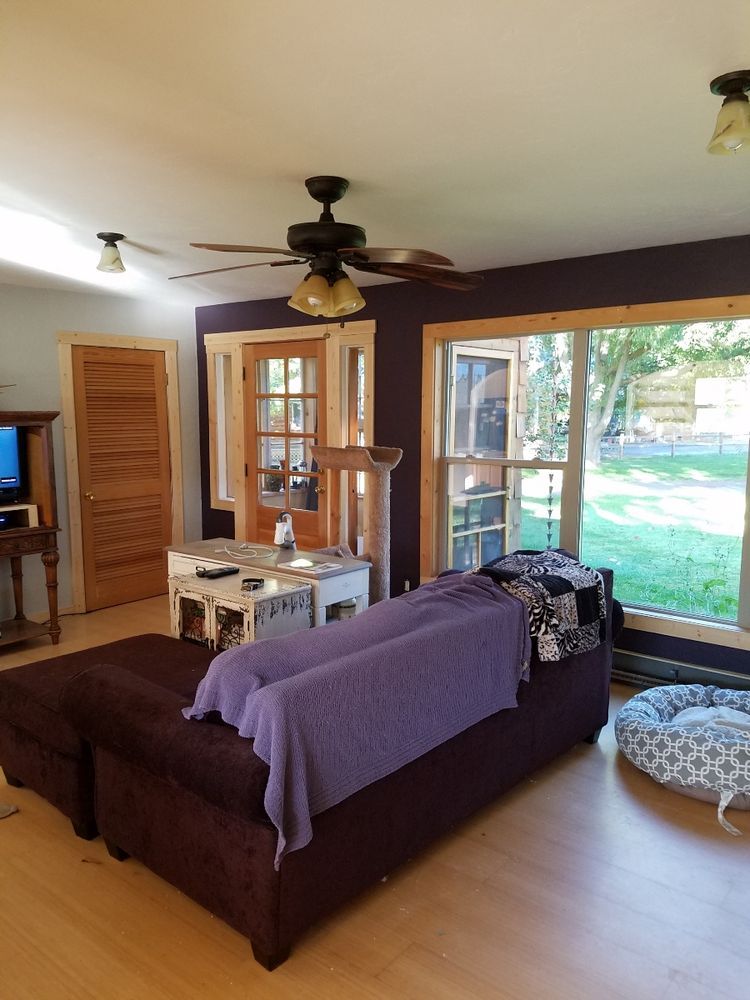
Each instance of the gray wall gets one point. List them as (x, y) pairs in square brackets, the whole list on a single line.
[(30, 319)]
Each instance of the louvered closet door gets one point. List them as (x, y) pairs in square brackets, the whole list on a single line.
[(124, 475)]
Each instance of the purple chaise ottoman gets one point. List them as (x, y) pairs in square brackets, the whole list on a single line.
[(38, 748)]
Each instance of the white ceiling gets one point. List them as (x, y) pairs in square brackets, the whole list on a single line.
[(492, 131)]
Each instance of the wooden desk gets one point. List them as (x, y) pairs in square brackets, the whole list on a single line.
[(38, 502), (24, 542)]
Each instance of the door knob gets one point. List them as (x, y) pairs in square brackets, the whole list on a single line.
[(89, 495), (320, 489)]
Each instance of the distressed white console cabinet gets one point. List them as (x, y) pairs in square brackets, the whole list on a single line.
[(332, 579), (219, 614)]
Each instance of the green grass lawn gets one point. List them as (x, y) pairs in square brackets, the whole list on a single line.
[(670, 528)]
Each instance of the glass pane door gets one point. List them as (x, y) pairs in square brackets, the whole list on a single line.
[(285, 407)]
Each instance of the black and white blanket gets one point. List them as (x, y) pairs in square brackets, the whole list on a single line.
[(565, 600)]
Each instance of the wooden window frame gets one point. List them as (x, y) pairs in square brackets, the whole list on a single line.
[(580, 321), (216, 421)]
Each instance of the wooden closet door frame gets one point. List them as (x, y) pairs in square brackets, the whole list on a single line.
[(66, 341)]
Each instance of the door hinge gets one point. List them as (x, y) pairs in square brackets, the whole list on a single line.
[(243, 373), (245, 470)]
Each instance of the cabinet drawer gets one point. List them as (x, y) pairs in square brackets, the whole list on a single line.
[(340, 588), (181, 565)]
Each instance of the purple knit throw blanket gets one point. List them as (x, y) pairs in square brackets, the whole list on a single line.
[(337, 708)]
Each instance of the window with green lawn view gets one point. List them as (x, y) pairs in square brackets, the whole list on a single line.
[(665, 477), (506, 445), (661, 493)]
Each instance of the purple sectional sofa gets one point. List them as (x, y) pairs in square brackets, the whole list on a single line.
[(186, 799)]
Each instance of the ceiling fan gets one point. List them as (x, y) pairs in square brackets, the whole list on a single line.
[(326, 245)]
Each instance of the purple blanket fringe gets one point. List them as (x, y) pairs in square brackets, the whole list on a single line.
[(339, 707)]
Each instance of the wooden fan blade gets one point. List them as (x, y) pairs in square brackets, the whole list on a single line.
[(393, 255), (239, 248), (457, 280), (237, 267)]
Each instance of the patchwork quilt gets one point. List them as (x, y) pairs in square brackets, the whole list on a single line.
[(564, 599)]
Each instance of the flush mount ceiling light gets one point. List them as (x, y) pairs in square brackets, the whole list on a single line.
[(110, 259), (733, 124)]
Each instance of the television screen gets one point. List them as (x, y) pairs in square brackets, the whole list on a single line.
[(10, 460)]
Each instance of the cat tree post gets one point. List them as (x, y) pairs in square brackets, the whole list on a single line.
[(376, 463)]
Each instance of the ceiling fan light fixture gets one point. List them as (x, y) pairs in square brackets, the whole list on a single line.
[(732, 131), (317, 291), (346, 297), (110, 259), (327, 293), (311, 296), (326, 245)]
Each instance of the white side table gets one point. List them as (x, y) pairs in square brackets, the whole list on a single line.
[(218, 614), (332, 579)]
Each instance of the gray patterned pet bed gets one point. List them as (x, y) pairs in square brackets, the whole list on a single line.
[(704, 752)]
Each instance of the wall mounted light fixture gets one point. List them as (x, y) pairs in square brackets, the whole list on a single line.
[(110, 259), (732, 131)]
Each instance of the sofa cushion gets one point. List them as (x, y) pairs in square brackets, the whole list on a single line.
[(30, 694)]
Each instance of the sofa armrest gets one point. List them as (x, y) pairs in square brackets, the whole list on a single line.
[(135, 719)]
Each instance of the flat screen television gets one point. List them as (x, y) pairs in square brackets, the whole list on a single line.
[(11, 465)]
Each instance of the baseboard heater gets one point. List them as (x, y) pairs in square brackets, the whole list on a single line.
[(653, 671)]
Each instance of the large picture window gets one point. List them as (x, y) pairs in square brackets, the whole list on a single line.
[(620, 434), (668, 418)]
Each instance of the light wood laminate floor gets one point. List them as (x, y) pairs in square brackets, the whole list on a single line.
[(586, 882)]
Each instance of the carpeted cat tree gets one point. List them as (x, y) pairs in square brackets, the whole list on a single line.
[(376, 463)]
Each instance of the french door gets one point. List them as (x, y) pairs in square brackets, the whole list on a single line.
[(285, 415)]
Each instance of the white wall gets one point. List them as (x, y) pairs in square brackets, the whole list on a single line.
[(30, 319)]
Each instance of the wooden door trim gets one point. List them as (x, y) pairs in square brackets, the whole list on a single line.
[(353, 333), (66, 340)]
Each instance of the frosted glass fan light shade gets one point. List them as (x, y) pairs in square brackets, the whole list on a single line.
[(312, 296), (732, 127), (317, 290), (346, 298), (110, 259), (302, 305), (315, 297)]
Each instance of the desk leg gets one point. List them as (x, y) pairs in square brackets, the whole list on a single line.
[(50, 560), (16, 573), (362, 603), (319, 615)]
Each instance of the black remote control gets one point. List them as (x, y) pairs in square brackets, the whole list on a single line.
[(211, 574)]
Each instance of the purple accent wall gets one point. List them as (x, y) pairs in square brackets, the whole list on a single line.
[(655, 274)]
